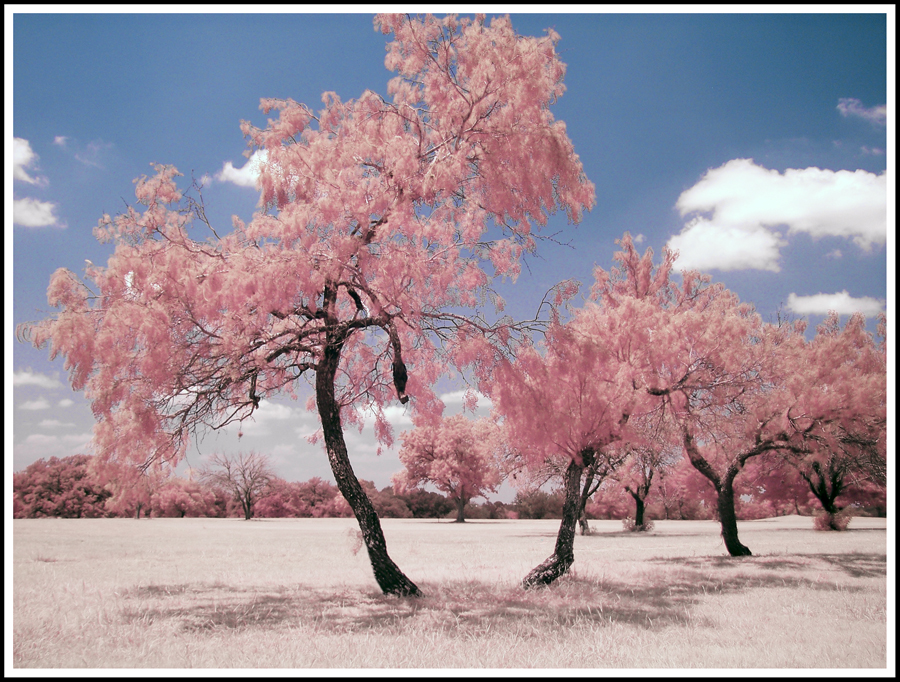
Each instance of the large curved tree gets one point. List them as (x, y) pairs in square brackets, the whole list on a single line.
[(376, 219)]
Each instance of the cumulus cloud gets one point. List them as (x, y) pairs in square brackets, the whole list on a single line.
[(263, 418), (245, 176), (458, 398), (707, 245), (850, 107), (24, 157), (60, 140), (744, 203), (842, 303), (33, 213), (66, 402), (39, 404), (29, 378), (39, 445)]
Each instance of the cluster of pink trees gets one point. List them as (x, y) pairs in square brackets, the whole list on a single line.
[(380, 224), (650, 362)]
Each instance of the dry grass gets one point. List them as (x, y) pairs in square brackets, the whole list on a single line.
[(298, 593)]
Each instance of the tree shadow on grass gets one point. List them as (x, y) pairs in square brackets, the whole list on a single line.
[(470, 608), (854, 564)]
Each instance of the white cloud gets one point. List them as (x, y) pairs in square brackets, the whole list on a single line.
[(66, 402), (842, 303), (850, 106), (33, 213), (744, 202), (52, 423), (60, 140), (39, 445), (705, 245), (39, 404), (263, 417), (834, 254), (247, 175), (458, 397), (30, 378), (24, 157)]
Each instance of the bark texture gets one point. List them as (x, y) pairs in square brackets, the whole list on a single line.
[(460, 508), (728, 519), (564, 555), (389, 577)]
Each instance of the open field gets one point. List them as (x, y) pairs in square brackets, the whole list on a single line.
[(299, 593)]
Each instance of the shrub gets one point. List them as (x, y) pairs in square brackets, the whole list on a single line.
[(839, 521), (629, 525)]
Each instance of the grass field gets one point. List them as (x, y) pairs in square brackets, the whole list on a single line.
[(299, 593)]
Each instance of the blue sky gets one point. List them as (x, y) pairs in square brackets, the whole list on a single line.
[(759, 145)]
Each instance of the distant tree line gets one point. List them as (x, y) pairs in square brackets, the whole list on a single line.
[(72, 487)]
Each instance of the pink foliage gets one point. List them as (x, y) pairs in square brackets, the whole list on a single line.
[(361, 243), (460, 456), (181, 497)]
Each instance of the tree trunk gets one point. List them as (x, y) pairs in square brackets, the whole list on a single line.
[(389, 577), (460, 508), (638, 510), (582, 503), (564, 555), (728, 519)]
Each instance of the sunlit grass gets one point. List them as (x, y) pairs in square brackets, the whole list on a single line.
[(298, 593)]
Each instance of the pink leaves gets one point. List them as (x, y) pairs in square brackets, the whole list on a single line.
[(160, 188), (458, 455), (374, 216)]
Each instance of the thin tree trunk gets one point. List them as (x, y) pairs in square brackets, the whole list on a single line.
[(460, 508), (728, 519), (564, 555), (389, 577), (582, 502)]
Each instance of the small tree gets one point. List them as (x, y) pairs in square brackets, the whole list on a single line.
[(246, 476), (459, 456)]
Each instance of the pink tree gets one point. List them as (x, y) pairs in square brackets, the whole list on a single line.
[(571, 397), (844, 453), (648, 458), (180, 497), (461, 457), (738, 388), (132, 487), (373, 225), (66, 487)]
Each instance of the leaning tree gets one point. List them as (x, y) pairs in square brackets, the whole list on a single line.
[(570, 396), (376, 221)]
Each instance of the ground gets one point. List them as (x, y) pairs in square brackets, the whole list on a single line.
[(299, 593)]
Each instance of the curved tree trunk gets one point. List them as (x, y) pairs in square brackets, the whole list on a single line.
[(390, 578), (460, 508), (564, 555), (728, 519)]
